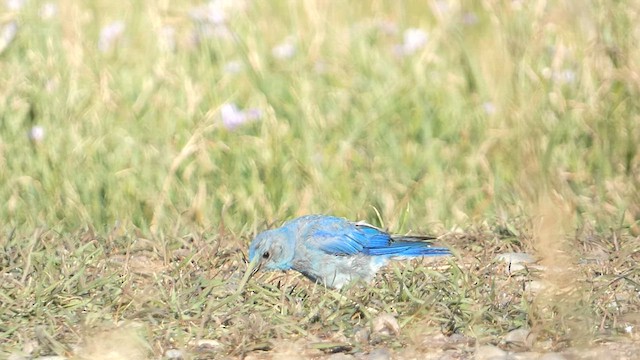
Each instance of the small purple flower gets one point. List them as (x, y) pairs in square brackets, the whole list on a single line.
[(167, 39), (285, 50), (15, 5), (210, 21), (413, 40), (469, 18), (210, 31), (232, 117), (442, 6), (109, 35), (212, 13), (517, 5), (36, 134), (52, 84), (565, 76), (320, 67), (489, 108), (7, 34), (233, 67), (48, 11), (387, 27)]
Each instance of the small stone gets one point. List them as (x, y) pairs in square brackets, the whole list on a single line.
[(490, 352), (519, 338), (379, 354), (527, 355), (516, 261), (516, 258), (450, 354), (208, 344), (361, 335), (18, 356), (174, 354), (30, 346), (552, 356), (630, 318), (534, 286), (386, 325)]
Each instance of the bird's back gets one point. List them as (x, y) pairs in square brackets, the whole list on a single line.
[(338, 236)]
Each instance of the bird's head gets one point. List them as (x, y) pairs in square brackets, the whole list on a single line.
[(272, 250)]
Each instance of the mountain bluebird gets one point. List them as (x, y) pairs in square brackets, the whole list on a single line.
[(333, 251)]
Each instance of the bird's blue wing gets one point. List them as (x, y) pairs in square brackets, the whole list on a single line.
[(338, 236), (347, 238), (332, 243)]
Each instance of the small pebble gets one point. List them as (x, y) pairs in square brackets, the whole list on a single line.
[(206, 343), (527, 355), (174, 354), (552, 356), (379, 354), (361, 335), (516, 261), (386, 325), (519, 338), (534, 286), (490, 352), (18, 356)]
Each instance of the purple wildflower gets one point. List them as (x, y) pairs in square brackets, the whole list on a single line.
[(210, 21), (233, 67), (48, 11), (109, 35), (489, 108), (167, 39), (285, 50), (15, 5), (413, 40), (8, 32), (36, 134), (232, 117)]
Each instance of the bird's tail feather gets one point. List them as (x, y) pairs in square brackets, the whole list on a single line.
[(414, 238), (410, 246)]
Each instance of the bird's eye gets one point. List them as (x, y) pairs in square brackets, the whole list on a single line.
[(265, 255)]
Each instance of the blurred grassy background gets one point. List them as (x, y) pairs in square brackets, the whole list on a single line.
[(122, 121), (501, 100)]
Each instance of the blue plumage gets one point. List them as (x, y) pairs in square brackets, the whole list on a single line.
[(334, 251)]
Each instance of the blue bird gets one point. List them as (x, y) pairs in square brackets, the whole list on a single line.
[(333, 251)]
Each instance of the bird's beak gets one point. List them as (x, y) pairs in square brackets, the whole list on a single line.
[(252, 268)]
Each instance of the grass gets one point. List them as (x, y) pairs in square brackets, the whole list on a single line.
[(513, 128)]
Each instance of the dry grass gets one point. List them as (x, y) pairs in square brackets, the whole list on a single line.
[(58, 298)]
